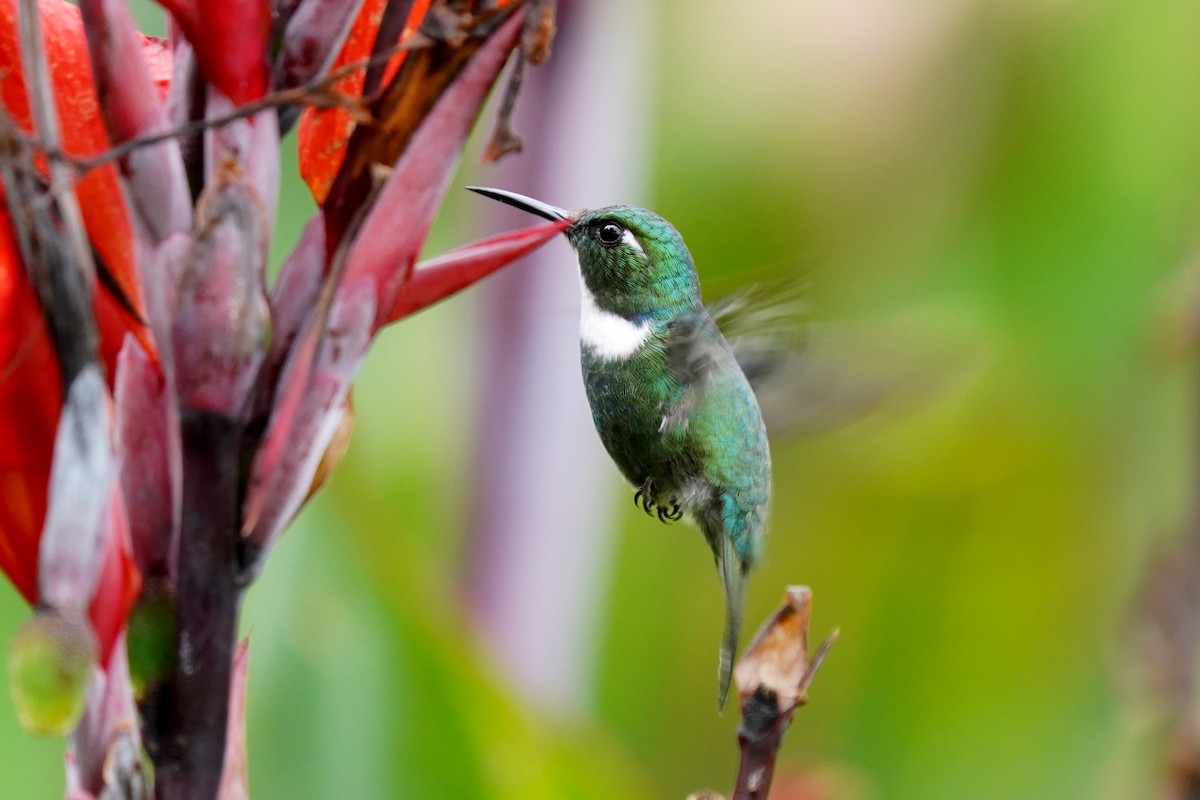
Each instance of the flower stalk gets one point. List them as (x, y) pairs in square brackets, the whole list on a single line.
[(772, 677)]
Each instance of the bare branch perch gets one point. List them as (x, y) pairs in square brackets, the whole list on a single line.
[(772, 679)]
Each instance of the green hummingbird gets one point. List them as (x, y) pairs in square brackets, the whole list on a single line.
[(669, 400)]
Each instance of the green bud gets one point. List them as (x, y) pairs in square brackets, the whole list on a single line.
[(150, 640), (49, 669)]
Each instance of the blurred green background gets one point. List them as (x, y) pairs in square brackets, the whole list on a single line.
[(1018, 177)]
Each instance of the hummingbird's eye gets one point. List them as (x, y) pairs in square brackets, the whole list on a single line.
[(610, 234)]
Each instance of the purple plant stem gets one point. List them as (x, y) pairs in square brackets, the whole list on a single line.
[(541, 538), (189, 724)]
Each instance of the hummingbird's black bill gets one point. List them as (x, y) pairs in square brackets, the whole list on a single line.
[(553, 213)]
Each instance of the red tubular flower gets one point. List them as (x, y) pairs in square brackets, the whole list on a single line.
[(381, 283), (232, 57)]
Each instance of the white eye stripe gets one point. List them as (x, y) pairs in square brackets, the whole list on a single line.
[(631, 240)]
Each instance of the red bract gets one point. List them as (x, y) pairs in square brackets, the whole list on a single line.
[(425, 114), (323, 133), (100, 198), (443, 276), (27, 418), (230, 40)]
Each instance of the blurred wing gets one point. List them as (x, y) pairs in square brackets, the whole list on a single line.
[(693, 348), (847, 372), (695, 351), (765, 324), (816, 376)]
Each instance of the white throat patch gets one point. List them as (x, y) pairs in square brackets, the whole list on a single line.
[(608, 336)]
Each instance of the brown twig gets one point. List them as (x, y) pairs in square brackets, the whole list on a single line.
[(45, 116), (504, 139), (391, 28), (318, 93), (773, 677), (536, 41), (47, 222)]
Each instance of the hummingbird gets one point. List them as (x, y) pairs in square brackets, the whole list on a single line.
[(669, 400)]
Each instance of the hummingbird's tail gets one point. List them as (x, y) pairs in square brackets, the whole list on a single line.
[(733, 573)]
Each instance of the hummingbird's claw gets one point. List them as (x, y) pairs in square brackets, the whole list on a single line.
[(672, 515), (644, 495)]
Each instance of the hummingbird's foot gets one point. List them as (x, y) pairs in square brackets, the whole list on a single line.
[(646, 499), (644, 496), (673, 515)]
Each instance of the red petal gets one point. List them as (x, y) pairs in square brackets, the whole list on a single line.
[(22, 509), (119, 582), (30, 394), (83, 133), (312, 386), (30, 402), (148, 431), (30, 387), (384, 251), (30, 399), (230, 40), (315, 33)]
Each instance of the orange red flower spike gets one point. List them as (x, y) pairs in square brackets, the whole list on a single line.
[(323, 133), (101, 202)]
